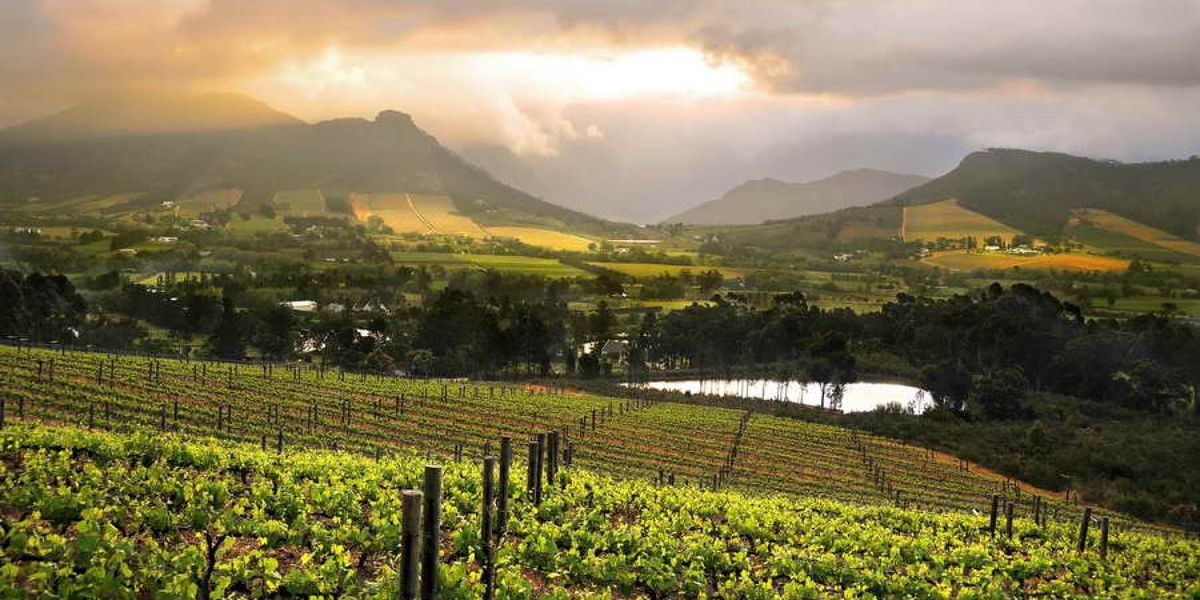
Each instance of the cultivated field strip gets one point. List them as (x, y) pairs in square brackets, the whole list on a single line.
[(306, 406)]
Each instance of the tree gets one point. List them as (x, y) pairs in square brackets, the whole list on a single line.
[(228, 338), (999, 394), (831, 366), (601, 322), (710, 281), (948, 384), (276, 337)]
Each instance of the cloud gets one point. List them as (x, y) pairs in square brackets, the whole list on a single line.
[(754, 87)]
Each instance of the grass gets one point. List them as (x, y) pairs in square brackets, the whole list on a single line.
[(1130, 228), (946, 219), (299, 202), (654, 269), (545, 238), (963, 260)]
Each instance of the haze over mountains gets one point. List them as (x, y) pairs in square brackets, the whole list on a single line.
[(769, 199), (168, 146)]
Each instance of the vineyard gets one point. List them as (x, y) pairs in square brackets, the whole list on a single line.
[(216, 479)]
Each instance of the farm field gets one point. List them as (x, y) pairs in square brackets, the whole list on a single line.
[(299, 203), (394, 209), (1145, 233), (280, 462), (1134, 305), (654, 269), (545, 238), (946, 219), (92, 204), (964, 260), (442, 216), (521, 265), (256, 224), (319, 407), (251, 512), (205, 202)]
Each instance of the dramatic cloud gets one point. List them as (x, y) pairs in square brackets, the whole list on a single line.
[(633, 108)]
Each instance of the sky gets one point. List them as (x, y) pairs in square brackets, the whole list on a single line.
[(635, 109)]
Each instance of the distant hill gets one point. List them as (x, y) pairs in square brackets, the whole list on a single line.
[(149, 113), (1037, 191), (768, 199), (192, 144)]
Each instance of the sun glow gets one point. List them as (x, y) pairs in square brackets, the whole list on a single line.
[(617, 75), (523, 96)]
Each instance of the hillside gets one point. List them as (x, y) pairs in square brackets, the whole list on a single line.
[(651, 498), (238, 143), (768, 199), (1036, 192), (149, 113), (203, 518)]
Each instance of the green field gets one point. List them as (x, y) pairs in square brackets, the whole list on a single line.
[(256, 224), (515, 265), (654, 269), (946, 219)]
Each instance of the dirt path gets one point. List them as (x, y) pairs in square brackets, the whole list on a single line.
[(903, 223), (420, 217)]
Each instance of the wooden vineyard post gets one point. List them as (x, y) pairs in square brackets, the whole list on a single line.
[(1104, 538), (541, 465), (279, 441), (552, 456), (2, 402), (485, 529), (995, 507), (162, 418), (263, 443), (1008, 518), (531, 470), (430, 532), (502, 493), (410, 544), (1083, 528)]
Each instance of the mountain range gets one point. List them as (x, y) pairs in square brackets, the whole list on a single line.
[(165, 146), (761, 200)]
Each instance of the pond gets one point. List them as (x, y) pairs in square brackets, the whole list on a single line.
[(862, 396)]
